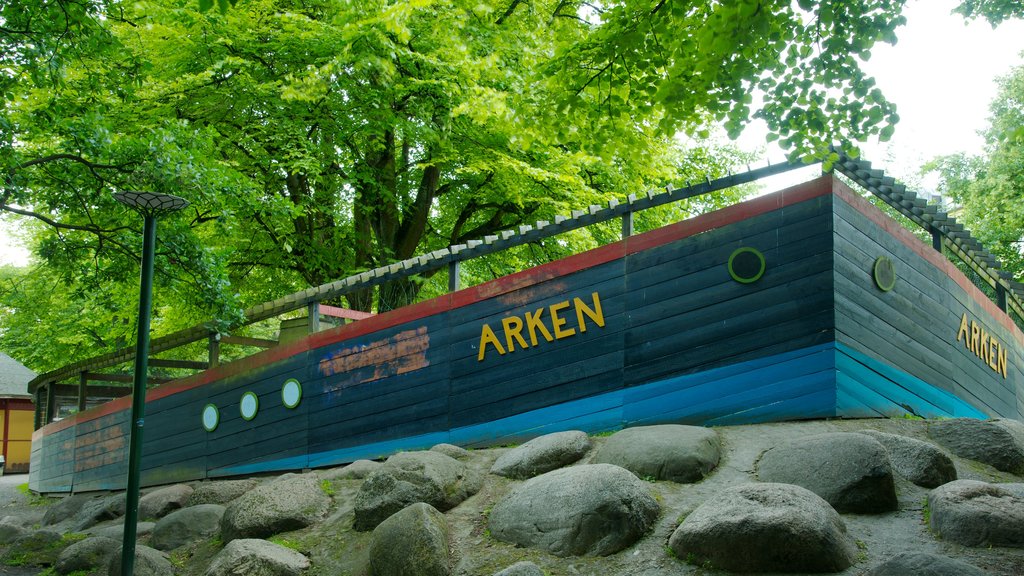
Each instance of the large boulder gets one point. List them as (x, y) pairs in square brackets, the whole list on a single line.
[(288, 503), (924, 564), (65, 508), (116, 531), (411, 542), (410, 477), (86, 555), (917, 461), (162, 502), (542, 454), (96, 510), (850, 471), (998, 443), (665, 452), (587, 510), (10, 532), (974, 513), (765, 528), (457, 452), (37, 548), (252, 557), (357, 470), (219, 491), (148, 562), (186, 525)]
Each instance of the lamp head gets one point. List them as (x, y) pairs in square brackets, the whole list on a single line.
[(151, 203)]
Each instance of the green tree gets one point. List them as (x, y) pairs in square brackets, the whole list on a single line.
[(319, 138), (990, 188)]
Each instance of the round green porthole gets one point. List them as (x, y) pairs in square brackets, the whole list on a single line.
[(746, 265), (884, 273), (291, 393), (249, 405), (211, 417)]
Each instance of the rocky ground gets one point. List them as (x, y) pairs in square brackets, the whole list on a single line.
[(840, 496)]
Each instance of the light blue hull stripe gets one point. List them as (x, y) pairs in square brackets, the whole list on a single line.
[(826, 380)]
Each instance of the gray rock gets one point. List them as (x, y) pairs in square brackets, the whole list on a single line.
[(924, 564), (98, 510), (850, 471), (1015, 488), (765, 528), (592, 510), (38, 547), (288, 503), (452, 451), (411, 542), (86, 555), (917, 461), (187, 525), (521, 569), (998, 443), (219, 491), (410, 477), (162, 502), (665, 452), (974, 513), (148, 562), (247, 556), (542, 454), (65, 508), (357, 470), (9, 533), (116, 531)]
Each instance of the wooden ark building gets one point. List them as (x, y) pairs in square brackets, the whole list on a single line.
[(806, 303)]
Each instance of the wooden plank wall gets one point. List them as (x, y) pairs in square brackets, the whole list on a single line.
[(913, 327), (688, 316)]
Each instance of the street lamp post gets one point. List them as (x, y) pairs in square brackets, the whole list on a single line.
[(150, 205)]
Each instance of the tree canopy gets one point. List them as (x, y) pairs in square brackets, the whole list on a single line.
[(989, 189), (320, 138)]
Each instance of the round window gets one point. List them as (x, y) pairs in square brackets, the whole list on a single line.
[(211, 417), (746, 265), (291, 393), (249, 405), (884, 273)]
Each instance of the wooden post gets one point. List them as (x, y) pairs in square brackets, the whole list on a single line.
[(314, 317), (454, 268), (1001, 297), (51, 404), (39, 404), (627, 225), (937, 239), (213, 349), (83, 395)]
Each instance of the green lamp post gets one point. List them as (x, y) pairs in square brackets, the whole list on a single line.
[(150, 205)]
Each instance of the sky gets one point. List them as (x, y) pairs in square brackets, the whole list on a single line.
[(941, 75)]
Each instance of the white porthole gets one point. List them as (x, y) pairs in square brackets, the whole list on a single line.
[(291, 393), (249, 405), (211, 417)]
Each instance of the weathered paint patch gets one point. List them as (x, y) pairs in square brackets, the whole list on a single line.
[(398, 354)]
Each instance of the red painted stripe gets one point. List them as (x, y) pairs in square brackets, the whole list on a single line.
[(933, 257), (730, 215), (338, 312), (506, 284)]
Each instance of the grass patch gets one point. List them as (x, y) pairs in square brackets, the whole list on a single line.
[(33, 498), (328, 487), (288, 543)]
